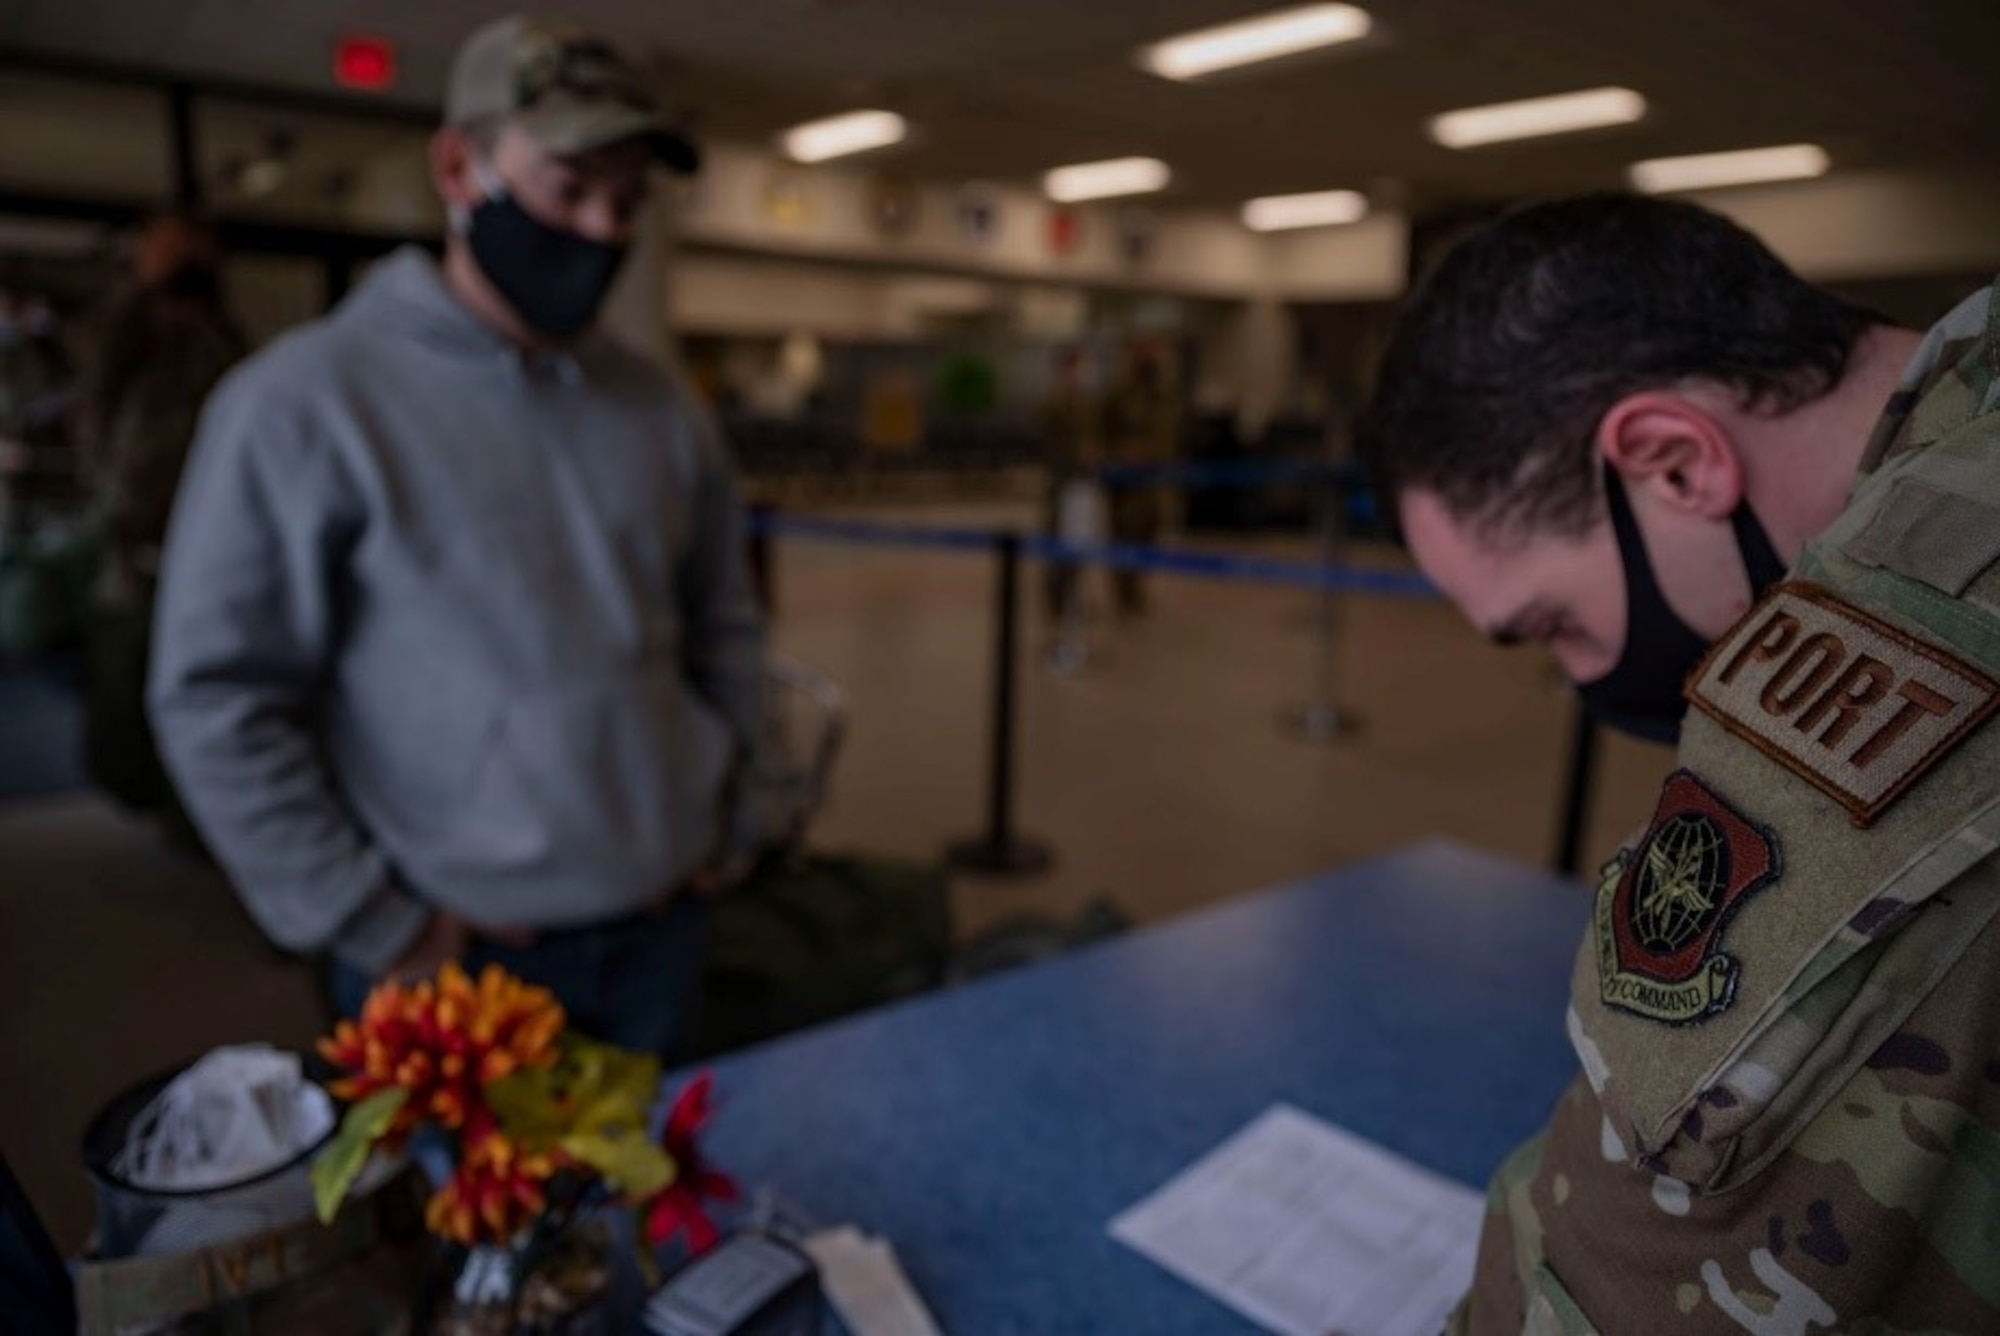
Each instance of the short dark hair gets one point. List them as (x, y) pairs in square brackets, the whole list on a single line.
[(1505, 359)]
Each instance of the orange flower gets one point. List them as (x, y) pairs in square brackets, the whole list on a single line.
[(496, 1191), (442, 1042)]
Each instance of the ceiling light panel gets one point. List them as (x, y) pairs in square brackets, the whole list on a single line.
[(1532, 118), (841, 136), (1708, 171), (1285, 32), (1105, 180)]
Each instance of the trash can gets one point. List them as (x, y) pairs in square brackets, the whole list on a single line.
[(137, 1221)]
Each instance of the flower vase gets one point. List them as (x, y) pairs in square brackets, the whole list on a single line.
[(552, 1287)]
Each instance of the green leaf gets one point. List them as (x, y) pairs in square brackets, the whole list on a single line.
[(616, 1086), (627, 1161), (526, 1106), (334, 1172)]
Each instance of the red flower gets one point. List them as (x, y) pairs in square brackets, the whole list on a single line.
[(442, 1041), (678, 1207), (496, 1191)]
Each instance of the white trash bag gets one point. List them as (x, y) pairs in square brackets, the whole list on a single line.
[(200, 1162)]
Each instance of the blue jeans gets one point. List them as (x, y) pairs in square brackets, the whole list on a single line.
[(634, 982)]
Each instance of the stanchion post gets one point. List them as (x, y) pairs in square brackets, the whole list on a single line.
[(763, 574), (1000, 851), (1577, 785), (1320, 719)]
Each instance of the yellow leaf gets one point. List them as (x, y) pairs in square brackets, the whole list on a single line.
[(593, 1088), (628, 1162)]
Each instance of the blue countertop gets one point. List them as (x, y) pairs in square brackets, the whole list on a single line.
[(991, 1132)]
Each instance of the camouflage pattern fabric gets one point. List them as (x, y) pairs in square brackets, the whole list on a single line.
[(157, 356), (1796, 1127)]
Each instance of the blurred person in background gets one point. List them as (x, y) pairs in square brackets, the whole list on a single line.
[(36, 386), (1072, 435), (153, 354), (457, 649), (16, 387), (1142, 423), (158, 349)]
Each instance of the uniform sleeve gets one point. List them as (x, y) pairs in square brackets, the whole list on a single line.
[(114, 347), (724, 627), (244, 638)]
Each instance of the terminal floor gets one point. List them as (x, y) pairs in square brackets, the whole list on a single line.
[(1160, 776)]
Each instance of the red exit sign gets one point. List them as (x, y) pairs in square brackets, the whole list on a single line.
[(364, 62)]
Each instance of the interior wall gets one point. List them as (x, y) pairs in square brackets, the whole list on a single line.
[(712, 294), (1862, 225), (1249, 364), (1364, 261), (750, 199), (636, 308), (74, 138), (269, 294)]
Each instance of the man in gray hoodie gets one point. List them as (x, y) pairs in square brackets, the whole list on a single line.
[(456, 653)]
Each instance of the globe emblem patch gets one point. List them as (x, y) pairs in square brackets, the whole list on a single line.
[(1662, 906), (1681, 874)]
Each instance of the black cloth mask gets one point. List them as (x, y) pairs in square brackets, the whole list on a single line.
[(1643, 694), (554, 279)]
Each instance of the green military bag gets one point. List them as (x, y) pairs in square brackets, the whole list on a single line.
[(813, 937)]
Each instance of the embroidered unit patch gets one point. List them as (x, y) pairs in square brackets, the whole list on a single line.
[(1662, 906)]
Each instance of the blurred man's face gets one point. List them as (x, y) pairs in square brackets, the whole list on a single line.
[(164, 248), (1566, 593), (599, 194)]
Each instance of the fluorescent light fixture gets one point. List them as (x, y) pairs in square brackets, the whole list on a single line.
[(839, 136), (1704, 171), (1285, 32), (1103, 180), (1537, 116), (1321, 208)]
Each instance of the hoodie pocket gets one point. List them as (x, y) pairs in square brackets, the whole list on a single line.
[(407, 753), (612, 783)]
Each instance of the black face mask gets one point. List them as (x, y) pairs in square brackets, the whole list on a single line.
[(1642, 694), (555, 280)]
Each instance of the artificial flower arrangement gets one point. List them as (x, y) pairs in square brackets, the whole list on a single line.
[(541, 1125)]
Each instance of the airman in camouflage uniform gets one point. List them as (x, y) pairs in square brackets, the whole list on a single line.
[(1787, 1009), (160, 347), (1141, 423)]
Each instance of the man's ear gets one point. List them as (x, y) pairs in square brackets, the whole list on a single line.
[(1671, 447), (452, 175)]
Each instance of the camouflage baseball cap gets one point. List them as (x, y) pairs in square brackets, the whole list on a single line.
[(568, 89)]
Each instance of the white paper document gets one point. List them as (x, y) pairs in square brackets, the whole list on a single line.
[(866, 1285), (1309, 1230)]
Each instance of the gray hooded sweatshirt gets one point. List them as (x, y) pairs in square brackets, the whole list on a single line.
[(443, 624)]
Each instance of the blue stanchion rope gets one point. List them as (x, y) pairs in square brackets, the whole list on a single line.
[(1226, 473), (1117, 556)]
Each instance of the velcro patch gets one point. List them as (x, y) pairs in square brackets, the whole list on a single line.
[(1849, 703), (1662, 905)]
